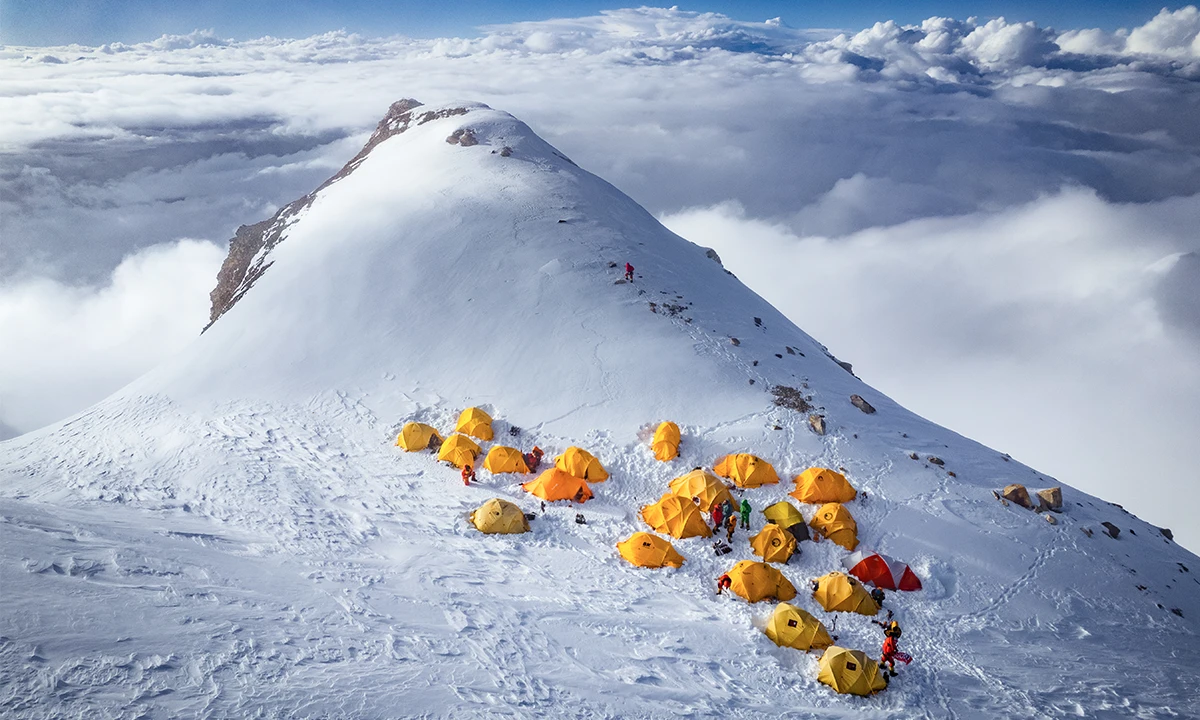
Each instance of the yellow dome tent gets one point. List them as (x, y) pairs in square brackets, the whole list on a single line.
[(838, 592), (499, 516), (784, 514), (703, 485), (554, 484), (676, 516), (793, 627), (746, 471), (476, 423), (756, 581), (646, 550), (851, 671), (822, 485), (835, 522), (582, 464), (501, 459), (459, 450), (415, 436), (773, 544), (666, 441)]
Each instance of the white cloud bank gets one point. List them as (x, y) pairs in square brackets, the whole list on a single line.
[(66, 347), (1041, 329), (912, 176)]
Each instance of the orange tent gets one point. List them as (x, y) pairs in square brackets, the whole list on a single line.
[(703, 485), (746, 471), (676, 516), (756, 581), (666, 441), (582, 464), (822, 485), (554, 484)]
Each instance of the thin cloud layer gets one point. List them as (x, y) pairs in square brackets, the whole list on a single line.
[(1031, 188)]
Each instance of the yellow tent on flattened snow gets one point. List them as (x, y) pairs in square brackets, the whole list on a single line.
[(851, 671), (499, 516), (554, 484), (415, 436), (676, 516), (793, 627), (773, 544), (746, 471), (476, 423), (756, 581), (646, 550), (459, 450), (838, 592), (835, 522), (784, 514), (501, 459), (582, 464), (666, 441), (703, 485), (822, 485)]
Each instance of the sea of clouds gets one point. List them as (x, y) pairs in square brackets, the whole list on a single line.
[(997, 222)]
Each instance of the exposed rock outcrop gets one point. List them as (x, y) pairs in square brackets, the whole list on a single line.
[(858, 402)]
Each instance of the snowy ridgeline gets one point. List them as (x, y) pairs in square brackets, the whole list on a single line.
[(235, 534)]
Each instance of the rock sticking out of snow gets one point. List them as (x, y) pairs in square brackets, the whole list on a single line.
[(858, 402), (1016, 493)]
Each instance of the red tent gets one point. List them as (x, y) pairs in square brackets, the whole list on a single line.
[(881, 571)]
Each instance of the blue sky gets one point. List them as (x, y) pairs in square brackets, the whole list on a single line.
[(94, 22)]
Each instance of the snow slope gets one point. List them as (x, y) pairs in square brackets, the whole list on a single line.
[(235, 535)]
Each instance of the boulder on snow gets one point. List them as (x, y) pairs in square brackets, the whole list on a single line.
[(1112, 530), (1018, 494), (1050, 499), (858, 402), (464, 137), (817, 423), (1166, 532), (936, 460)]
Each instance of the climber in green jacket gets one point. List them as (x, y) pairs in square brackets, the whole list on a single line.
[(745, 514)]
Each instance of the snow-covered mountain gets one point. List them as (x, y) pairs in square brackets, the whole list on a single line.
[(236, 535)]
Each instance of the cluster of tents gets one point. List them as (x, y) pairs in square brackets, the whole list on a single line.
[(567, 480), (680, 513)]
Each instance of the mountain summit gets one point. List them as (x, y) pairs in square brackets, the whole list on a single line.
[(235, 533)]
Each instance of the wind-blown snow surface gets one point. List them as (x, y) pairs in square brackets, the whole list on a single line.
[(235, 534)]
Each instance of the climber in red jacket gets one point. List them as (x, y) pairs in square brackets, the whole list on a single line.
[(628, 272), (468, 474)]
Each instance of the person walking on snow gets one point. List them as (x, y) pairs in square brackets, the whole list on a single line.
[(468, 474), (745, 514), (628, 272), (891, 647)]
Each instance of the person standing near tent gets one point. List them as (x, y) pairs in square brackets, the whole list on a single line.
[(731, 524), (745, 514), (723, 583), (717, 516), (534, 458), (628, 272), (468, 474)]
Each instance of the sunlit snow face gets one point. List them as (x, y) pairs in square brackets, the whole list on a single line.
[(991, 219)]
